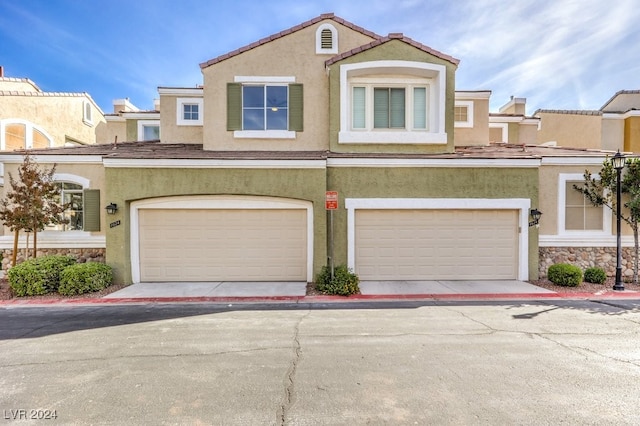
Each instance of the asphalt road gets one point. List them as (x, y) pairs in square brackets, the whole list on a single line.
[(458, 363)]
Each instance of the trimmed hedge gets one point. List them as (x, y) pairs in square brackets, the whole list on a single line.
[(85, 278), (565, 274), (344, 282), (595, 275), (38, 276)]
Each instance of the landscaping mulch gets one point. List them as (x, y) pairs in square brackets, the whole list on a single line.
[(585, 287)]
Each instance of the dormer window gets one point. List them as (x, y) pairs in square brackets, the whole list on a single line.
[(326, 39)]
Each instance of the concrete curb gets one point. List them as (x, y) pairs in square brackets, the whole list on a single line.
[(321, 299)]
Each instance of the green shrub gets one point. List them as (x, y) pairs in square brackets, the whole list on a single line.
[(565, 274), (85, 278), (595, 275), (344, 282), (38, 276)]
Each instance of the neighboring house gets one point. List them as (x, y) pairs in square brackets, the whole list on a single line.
[(128, 123), (31, 118), (235, 188), (615, 126)]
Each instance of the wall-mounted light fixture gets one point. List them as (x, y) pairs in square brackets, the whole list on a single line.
[(535, 215), (112, 208)]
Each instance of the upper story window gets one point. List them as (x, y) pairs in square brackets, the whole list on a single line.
[(189, 111), (576, 213), (326, 39), (400, 108), (392, 102), (264, 107), (87, 113), (21, 134), (463, 114), (148, 130)]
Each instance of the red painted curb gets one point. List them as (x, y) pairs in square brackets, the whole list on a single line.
[(324, 298)]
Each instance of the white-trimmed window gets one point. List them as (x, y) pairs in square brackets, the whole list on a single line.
[(21, 134), (576, 214), (70, 194), (463, 114), (265, 107), (326, 39), (148, 130), (189, 111), (394, 102), (87, 113)]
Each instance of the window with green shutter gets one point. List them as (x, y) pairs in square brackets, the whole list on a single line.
[(264, 107), (91, 209)]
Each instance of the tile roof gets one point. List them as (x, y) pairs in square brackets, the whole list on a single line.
[(392, 36), (157, 150), (20, 80), (287, 32), (620, 92)]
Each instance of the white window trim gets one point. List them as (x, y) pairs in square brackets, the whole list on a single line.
[(142, 123), (87, 118), (436, 103), (505, 130), (522, 205), (563, 178), (334, 40), (469, 122), (264, 134), (29, 127), (216, 202), (180, 103)]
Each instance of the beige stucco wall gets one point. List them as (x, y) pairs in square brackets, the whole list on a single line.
[(94, 172), (527, 133), (479, 133), (570, 130), (623, 102), (59, 116), (612, 133), (291, 55), (111, 130), (632, 134), (19, 84), (170, 131)]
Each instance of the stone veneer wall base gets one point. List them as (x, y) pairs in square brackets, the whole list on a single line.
[(586, 257)]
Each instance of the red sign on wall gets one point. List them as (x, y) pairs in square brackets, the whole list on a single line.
[(331, 200)]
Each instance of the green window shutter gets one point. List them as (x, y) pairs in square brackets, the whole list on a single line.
[(234, 106), (91, 210), (296, 108)]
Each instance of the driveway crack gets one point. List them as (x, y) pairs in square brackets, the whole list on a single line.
[(289, 381)]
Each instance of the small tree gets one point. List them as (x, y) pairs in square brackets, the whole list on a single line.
[(32, 203), (602, 192)]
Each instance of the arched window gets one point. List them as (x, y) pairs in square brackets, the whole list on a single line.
[(71, 194), (21, 134)]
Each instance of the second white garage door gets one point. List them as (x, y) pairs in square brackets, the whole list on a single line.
[(223, 245), (436, 244)]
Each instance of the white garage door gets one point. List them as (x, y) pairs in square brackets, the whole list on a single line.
[(436, 244), (223, 245)]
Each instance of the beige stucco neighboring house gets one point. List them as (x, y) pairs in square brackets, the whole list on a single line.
[(32, 118)]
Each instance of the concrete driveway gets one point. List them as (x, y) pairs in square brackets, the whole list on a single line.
[(445, 363), (292, 289)]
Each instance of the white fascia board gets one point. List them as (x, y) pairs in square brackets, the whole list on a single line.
[(573, 161), (462, 95), (115, 118), (493, 119), (186, 91), (428, 162), (264, 79), (141, 115), (213, 164), (58, 159)]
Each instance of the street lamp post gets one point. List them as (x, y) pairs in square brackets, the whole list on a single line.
[(618, 164)]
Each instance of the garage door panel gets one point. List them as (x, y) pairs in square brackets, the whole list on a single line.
[(223, 245), (436, 244)]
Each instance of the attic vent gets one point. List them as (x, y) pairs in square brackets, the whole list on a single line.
[(326, 39)]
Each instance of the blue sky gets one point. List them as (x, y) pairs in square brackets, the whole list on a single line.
[(559, 54)]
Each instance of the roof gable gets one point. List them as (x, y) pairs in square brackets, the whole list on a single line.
[(323, 17), (392, 36)]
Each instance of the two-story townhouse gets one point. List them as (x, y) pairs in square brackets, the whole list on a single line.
[(235, 188)]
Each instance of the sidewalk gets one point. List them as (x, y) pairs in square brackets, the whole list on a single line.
[(295, 292)]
